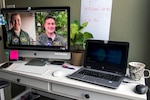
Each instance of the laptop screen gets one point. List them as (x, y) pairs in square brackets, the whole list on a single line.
[(109, 56)]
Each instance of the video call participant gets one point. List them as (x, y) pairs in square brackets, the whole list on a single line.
[(50, 38), (16, 35)]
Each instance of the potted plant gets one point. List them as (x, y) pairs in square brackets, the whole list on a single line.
[(77, 41)]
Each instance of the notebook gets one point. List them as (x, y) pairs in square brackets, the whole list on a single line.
[(105, 63)]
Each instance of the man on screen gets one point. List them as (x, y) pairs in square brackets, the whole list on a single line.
[(16, 36), (50, 38)]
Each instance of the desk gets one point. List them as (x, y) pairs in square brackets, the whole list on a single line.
[(68, 87)]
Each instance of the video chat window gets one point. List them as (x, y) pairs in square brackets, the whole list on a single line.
[(32, 23)]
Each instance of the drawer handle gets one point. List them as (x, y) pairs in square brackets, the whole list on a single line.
[(18, 80), (87, 96)]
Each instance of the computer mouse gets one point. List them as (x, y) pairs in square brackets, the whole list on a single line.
[(58, 73), (141, 89)]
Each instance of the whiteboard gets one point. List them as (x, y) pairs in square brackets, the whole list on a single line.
[(98, 15)]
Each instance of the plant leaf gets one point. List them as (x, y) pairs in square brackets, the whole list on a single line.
[(73, 30), (79, 39), (87, 35), (83, 26)]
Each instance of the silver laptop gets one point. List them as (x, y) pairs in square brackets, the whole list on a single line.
[(105, 63)]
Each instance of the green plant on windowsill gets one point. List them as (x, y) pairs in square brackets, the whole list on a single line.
[(77, 36), (77, 42)]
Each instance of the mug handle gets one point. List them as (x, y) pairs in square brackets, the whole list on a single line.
[(148, 76)]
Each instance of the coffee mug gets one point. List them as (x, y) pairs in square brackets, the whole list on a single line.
[(137, 70)]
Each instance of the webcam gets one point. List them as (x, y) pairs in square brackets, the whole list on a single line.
[(29, 8), (105, 41)]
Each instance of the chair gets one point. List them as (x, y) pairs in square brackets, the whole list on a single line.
[(3, 84)]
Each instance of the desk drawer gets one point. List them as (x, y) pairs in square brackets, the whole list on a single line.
[(34, 83), (44, 85), (81, 94)]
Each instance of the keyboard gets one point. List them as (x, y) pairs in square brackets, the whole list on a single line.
[(100, 75)]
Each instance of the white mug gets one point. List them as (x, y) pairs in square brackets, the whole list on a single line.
[(137, 69)]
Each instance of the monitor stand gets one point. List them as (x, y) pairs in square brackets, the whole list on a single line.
[(37, 62)]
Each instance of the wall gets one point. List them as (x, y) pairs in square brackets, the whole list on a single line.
[(74, 4), (1, 47), (131, 22), (2, 4)]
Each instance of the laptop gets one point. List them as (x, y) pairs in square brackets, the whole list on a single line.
[(105, 63)]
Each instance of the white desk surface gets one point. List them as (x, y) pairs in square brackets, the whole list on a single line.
[(125, 90)]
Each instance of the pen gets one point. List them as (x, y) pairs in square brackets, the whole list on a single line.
[(65, 66)]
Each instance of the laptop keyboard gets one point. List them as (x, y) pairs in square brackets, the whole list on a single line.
[(100, 75)]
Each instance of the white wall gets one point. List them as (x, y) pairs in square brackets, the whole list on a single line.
[(2, 4)]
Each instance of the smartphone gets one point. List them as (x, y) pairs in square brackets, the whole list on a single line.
[(5, 65)]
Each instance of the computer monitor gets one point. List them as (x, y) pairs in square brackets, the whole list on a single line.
[(44, 33)]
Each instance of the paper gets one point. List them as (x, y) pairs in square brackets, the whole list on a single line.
[(98, 15)]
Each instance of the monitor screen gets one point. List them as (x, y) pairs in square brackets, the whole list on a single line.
[(42, 32), (106, 55)]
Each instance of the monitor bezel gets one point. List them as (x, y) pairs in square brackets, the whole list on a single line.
[(35, 47)]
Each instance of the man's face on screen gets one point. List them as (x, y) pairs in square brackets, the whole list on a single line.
[(50, 25), (16, 22)]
